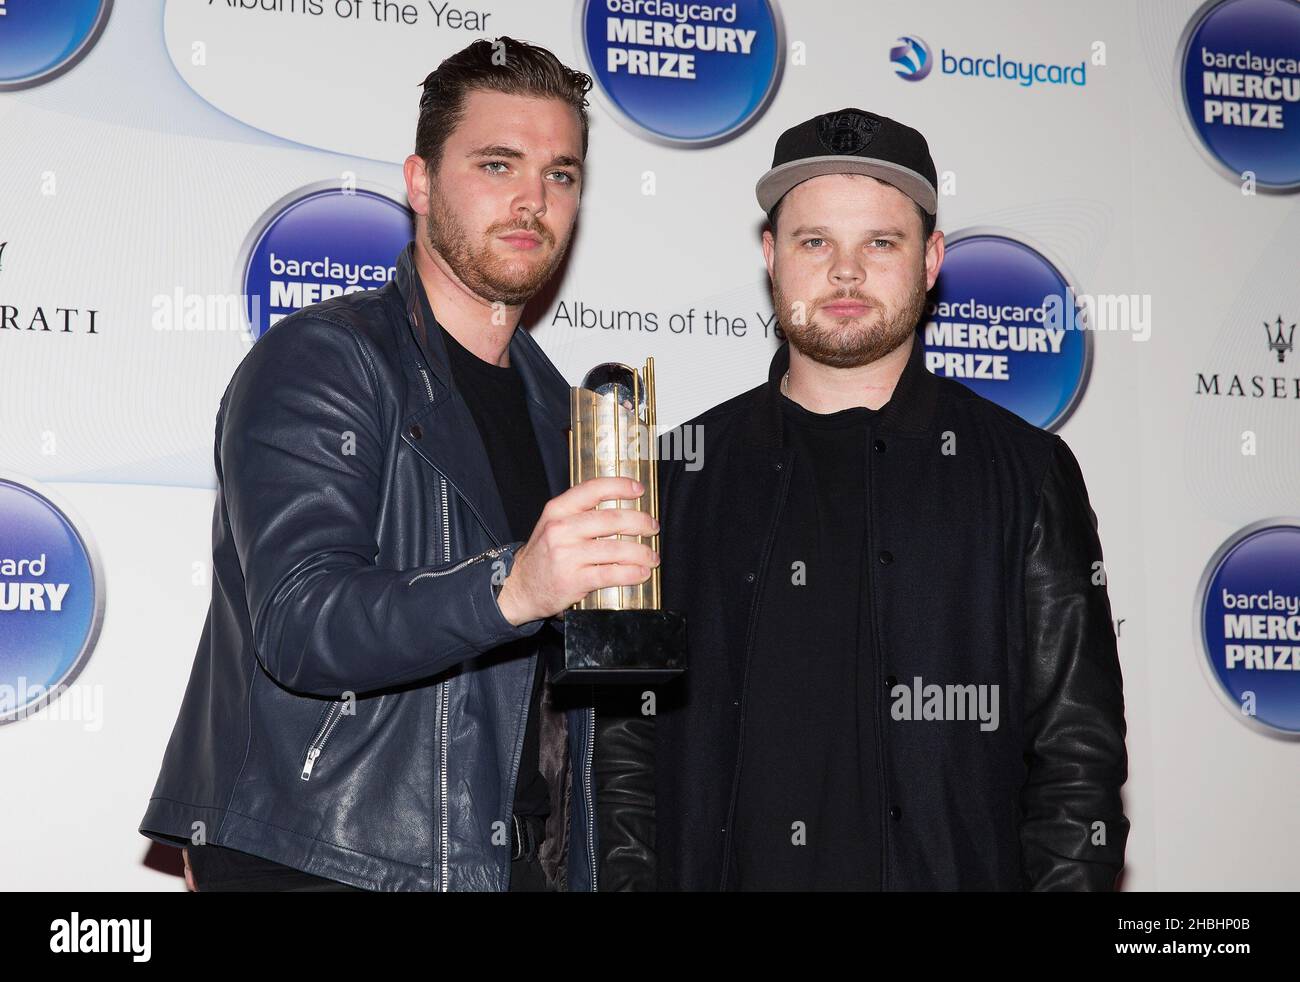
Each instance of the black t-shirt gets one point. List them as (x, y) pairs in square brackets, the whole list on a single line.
[(808, 801), (498, 403)]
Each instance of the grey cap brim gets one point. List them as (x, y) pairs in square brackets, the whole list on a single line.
[(776, 182)]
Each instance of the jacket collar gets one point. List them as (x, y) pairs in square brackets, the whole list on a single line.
[(448, 438), (909, 412), (542, 380)]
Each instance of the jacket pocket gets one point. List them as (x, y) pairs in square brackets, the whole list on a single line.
[(325, 726)]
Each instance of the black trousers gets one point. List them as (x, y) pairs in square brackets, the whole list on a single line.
[(527, 876), (217, 869), (220, 870)]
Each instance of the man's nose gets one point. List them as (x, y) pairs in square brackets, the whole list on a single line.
[(531, 200), (847, 271)]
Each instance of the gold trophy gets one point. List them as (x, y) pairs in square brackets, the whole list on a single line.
[(619, 633)]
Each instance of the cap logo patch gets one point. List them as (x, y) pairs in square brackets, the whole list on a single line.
[(846, 132)]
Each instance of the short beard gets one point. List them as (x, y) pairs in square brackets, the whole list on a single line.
[(478, 267), (848, 346)]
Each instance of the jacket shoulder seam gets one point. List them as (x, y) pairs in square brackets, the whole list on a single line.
[(366, 356), (999, 414), (1052, 460)]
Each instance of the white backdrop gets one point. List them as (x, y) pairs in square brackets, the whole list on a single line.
[(152, 163)]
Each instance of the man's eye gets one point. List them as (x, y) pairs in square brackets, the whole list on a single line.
[(884, 243), (564, 176), (815, 243), (496, 163)]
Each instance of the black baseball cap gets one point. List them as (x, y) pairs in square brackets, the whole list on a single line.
[(851, 141)]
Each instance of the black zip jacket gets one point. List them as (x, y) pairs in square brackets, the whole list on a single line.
[(989, 573)]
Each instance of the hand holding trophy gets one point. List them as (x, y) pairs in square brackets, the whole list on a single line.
[(619, 633)]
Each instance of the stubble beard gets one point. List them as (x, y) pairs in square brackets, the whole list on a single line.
[(847, 345), (476, 265)]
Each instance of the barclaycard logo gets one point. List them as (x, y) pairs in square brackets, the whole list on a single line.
[(913, 61), (911, 58), (1248, 620), (42, 39), (1238, 79), (51, 598), (682, 73), (1006, 321), (318, 243)]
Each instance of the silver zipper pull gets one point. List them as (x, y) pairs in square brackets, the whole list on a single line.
[(310, 762), (488, 554)]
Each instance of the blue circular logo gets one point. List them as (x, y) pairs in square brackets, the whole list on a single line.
[(51, 598), (42, 39), (317, 243), (1004, 321), (1249, 622), (1239, 75), (911, 58), (684, 74)]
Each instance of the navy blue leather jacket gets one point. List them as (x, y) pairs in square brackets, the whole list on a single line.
[(345, 715)]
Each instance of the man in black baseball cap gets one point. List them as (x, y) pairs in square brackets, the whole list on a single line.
[(851, 142), (883, 167), (903, 670)]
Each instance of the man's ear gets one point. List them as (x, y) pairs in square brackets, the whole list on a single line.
[(934, 252), (769, 250), (416, 174)]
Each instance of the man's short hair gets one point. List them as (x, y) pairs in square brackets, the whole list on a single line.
[(504, 65), (927, 220)]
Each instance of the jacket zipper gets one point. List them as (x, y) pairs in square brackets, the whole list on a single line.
[(442, 713), (878, 682), (332, 717), (445, 866), (487, 554), (442, 698), (591, 808)]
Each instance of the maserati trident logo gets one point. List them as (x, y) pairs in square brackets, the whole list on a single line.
[(1282, 342), (1255, 384)]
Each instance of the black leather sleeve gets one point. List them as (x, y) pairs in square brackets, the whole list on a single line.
[(301, 457), (1073, 829), (625, 789)]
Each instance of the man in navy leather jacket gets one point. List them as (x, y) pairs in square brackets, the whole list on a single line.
[(392, 538)]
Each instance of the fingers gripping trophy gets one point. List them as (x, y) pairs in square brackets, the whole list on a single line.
[(619, 633)]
